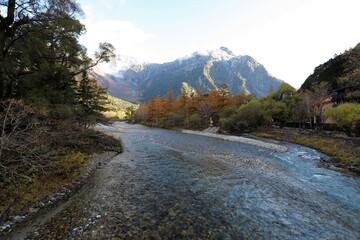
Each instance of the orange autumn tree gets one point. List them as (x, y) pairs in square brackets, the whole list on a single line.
[(216, 101), (190, 110), (155, 110), (182, 107), (169, 102)]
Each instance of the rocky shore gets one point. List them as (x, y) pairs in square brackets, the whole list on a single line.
[(8, 222), (272, 146), (332, 164)]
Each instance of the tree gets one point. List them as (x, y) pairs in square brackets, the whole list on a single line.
[(280, 105), (216, 101), (129, 113), (169, 102), (251, 115), (140, 115), (91, 100), (305, 107), (347, 116), (40, 53), (320, 94), (233, 103), (30, 30), (285, 91), (182, 104), (277, 110), (155, 110)]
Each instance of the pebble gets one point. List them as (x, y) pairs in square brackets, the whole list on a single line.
[(19, 219), (33, 210), (5, 226)]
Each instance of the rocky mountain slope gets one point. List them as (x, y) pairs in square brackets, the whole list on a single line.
[(203, 71)]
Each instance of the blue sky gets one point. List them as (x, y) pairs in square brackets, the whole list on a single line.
[(289, 37)]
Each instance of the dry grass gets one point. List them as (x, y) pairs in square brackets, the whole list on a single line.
[(73, 145), (21, 195)]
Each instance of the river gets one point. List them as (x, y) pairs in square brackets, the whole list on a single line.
[(173, 185)]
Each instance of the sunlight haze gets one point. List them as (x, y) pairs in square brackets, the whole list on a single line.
[(290, 38)]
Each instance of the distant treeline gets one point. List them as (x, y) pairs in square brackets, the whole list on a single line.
[(284, 107)]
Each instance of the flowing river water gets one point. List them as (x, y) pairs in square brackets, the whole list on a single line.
[(173, 185)]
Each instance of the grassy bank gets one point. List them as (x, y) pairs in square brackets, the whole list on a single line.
[(345, 152), (73, 147)]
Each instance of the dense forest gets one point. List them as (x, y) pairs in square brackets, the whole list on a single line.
[(47, 100)]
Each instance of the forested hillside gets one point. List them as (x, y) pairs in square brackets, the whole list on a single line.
[(118, 109), (341, 73)]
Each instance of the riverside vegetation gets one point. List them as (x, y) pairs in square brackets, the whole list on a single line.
[(281, 108), (47, 101)]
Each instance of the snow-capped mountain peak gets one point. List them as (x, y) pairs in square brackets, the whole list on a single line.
[(221, 53), (203, 71)]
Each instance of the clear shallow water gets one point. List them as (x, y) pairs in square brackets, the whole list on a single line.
[(171, 185)]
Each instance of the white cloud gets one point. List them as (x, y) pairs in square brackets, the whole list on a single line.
[(123, 35), (293, 44), (126, 37)]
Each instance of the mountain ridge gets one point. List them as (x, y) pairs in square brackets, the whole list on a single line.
[(201, 70)]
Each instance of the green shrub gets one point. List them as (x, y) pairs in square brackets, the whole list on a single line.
[(251, 115), (196, 121), (347, 116)]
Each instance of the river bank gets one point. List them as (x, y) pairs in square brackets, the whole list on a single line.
[(277, 147), (26, 197), (344, 151), (47, 202)]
